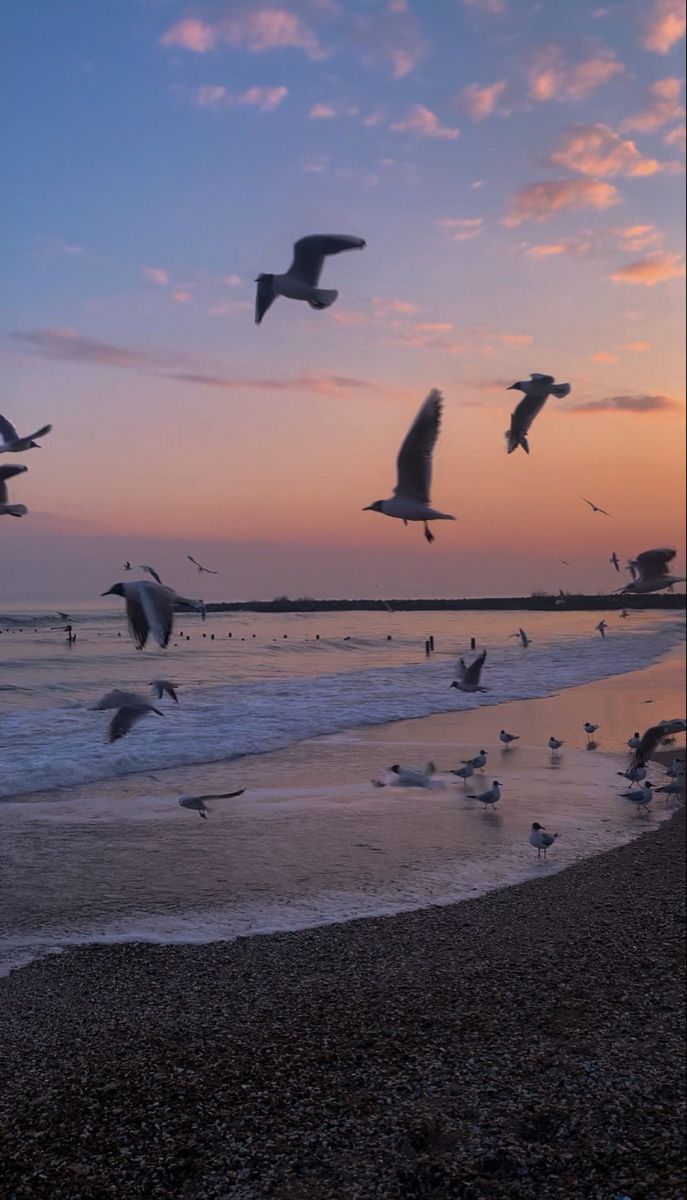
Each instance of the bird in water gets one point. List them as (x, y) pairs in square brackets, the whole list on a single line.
[(540, 839), (469, 680), (537, 390), (301, 280), (507, 738), (590, 729), (411, 501), (411, 776)]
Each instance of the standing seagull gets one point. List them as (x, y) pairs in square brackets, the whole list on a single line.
[(12, 443), (469, 680), (301, 280), (602, 627), (641, 797), (540, 839), (7, 509), (537, 390), (410, 501), (507, 738), (595, 507), (478, 762), (554, 745), (162, 686), (590, 729), (490, 797), (615, 560), (634, 774), (150, 609), (650, 572), (197, 803), (201, 570), (464, 773)]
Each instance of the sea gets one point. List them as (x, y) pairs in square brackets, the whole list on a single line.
[(300, 710)]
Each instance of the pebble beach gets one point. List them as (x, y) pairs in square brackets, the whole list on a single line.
[(528, 1043)]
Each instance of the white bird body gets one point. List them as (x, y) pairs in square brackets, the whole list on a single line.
[(414, 776), (650, 572), (674, 788), (12, 443), (537, 390), (507, 738), (634, 774), (198, 803), (676, 769), (634, 741), (469, 680), (641, 797), (540, 839), (490, 797), (301, 280)]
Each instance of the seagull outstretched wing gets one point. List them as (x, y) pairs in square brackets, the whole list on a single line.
[(310, 252), (472, 674), (414, 462)]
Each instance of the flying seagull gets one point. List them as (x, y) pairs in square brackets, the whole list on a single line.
[(540, 839), (595, 507), (602, 627), (7, 509), (160, 686), (651, 572), (301, 280), (652, 738), (615, 560), (150, 609), (469, 680), (130, 708), (537, 390), (152, 572), (201, 570), (410, 501), (411, 776), (197, 803), (12, 443), (564, 561), (127, 565), (524, 639)]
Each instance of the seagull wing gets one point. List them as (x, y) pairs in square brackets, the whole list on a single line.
[(40, 432), (193, 560), (541, 378), (119, 699), (7, 430), (475, 669), (153, 572), (651, 564), (125, 718), (414, 462), (171, 691), (264, 298), (649, 742), (219, 795), (559, 390), (310, 252), (136, 618), (5, 474), (523, 416), (158, 607)]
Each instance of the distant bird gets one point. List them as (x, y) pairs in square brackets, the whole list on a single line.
[(623, 614), (127, 566), (537, 390), (64, 616), (150, 609), (652, 738), (151, 571), (595, 507), (676, 770), (650, 571), (589, 728), (564, 561), (478, 762), (560, 599), (540, 839), (410, 501), (634, 774), (162, 686), (7, 509), (524, 639), (130, 708), (674, 788), (602, 627), (491, 796), (12, 443), (469, 681), (414, 777), (507, 738), (615, 560), (201, 570), (554, 745), (641, 797), (635, 741), (464, 773), (301, 280), (197, 803)]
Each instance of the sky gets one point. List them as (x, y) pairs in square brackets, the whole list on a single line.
[(516, 170)]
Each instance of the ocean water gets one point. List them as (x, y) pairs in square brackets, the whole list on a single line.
[(94, 847)]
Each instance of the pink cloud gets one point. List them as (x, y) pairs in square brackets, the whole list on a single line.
[(663, 24), (348, 319), (549, 250), (404, 60), (540, 201), (402, 307), (655, 268), (603, 356), (663, 106), (156, 275), (481, 102), (191, 34), (232, 280), (257, 31), (265, 99), (211, 95), (181, 296), (637, 237), (637, 347), (550, 77), (633, 403), (676, 137), (322, 112), (423, 122), (597, 150), (462, 229)]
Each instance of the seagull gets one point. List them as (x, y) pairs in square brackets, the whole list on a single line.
[(491, 796), (634, 741), (414, 777), (641, 797), (540, 839), (507, 738), (119, 699), (410, 501), (676, 769), (197, 803), (130, 708), (634, 774), (7, 509), (650, 572), (602, 627), (464, 773), (150, 609), (160, 686), (127, 565), (460, 668), (478, 762), (64, 616), (615, 560), (564, 561), (537, 390), (301, 280), (201, 570), (469, 681), (589, 728), (12, 443), (554, 745), (151, 571), (595, 507), (652, 738), (623, 614), (524, 639), (674, 788)]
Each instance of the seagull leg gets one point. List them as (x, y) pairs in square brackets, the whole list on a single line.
[(429, 536)]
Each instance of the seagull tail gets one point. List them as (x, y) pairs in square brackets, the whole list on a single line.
[(323, 298), (513, 440), (15, 510)]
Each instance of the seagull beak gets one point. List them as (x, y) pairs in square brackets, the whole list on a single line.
[(513, 388), (367, 508)]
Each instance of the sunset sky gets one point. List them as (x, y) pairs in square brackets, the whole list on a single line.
[(517, 172)]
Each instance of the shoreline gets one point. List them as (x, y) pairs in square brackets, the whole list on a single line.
[(525, 1043)]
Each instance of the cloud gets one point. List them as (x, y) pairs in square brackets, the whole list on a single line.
[(603, 356), (211, 95), (321, 385), (540, 201), (462, 229), (423, 122), (635, 403), (495, 7), (550, 77), (315, 164), (655, 268), (597, 150), (180, 296), (322, 112), (67, 345), (663, 25), (637, 237), (399, 307), (155, 275), (232, 280), (256, 31), (663, 106), (481, 102), (676, 137), (548, 250), (637, 347), (629, 238), (265, 99)]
